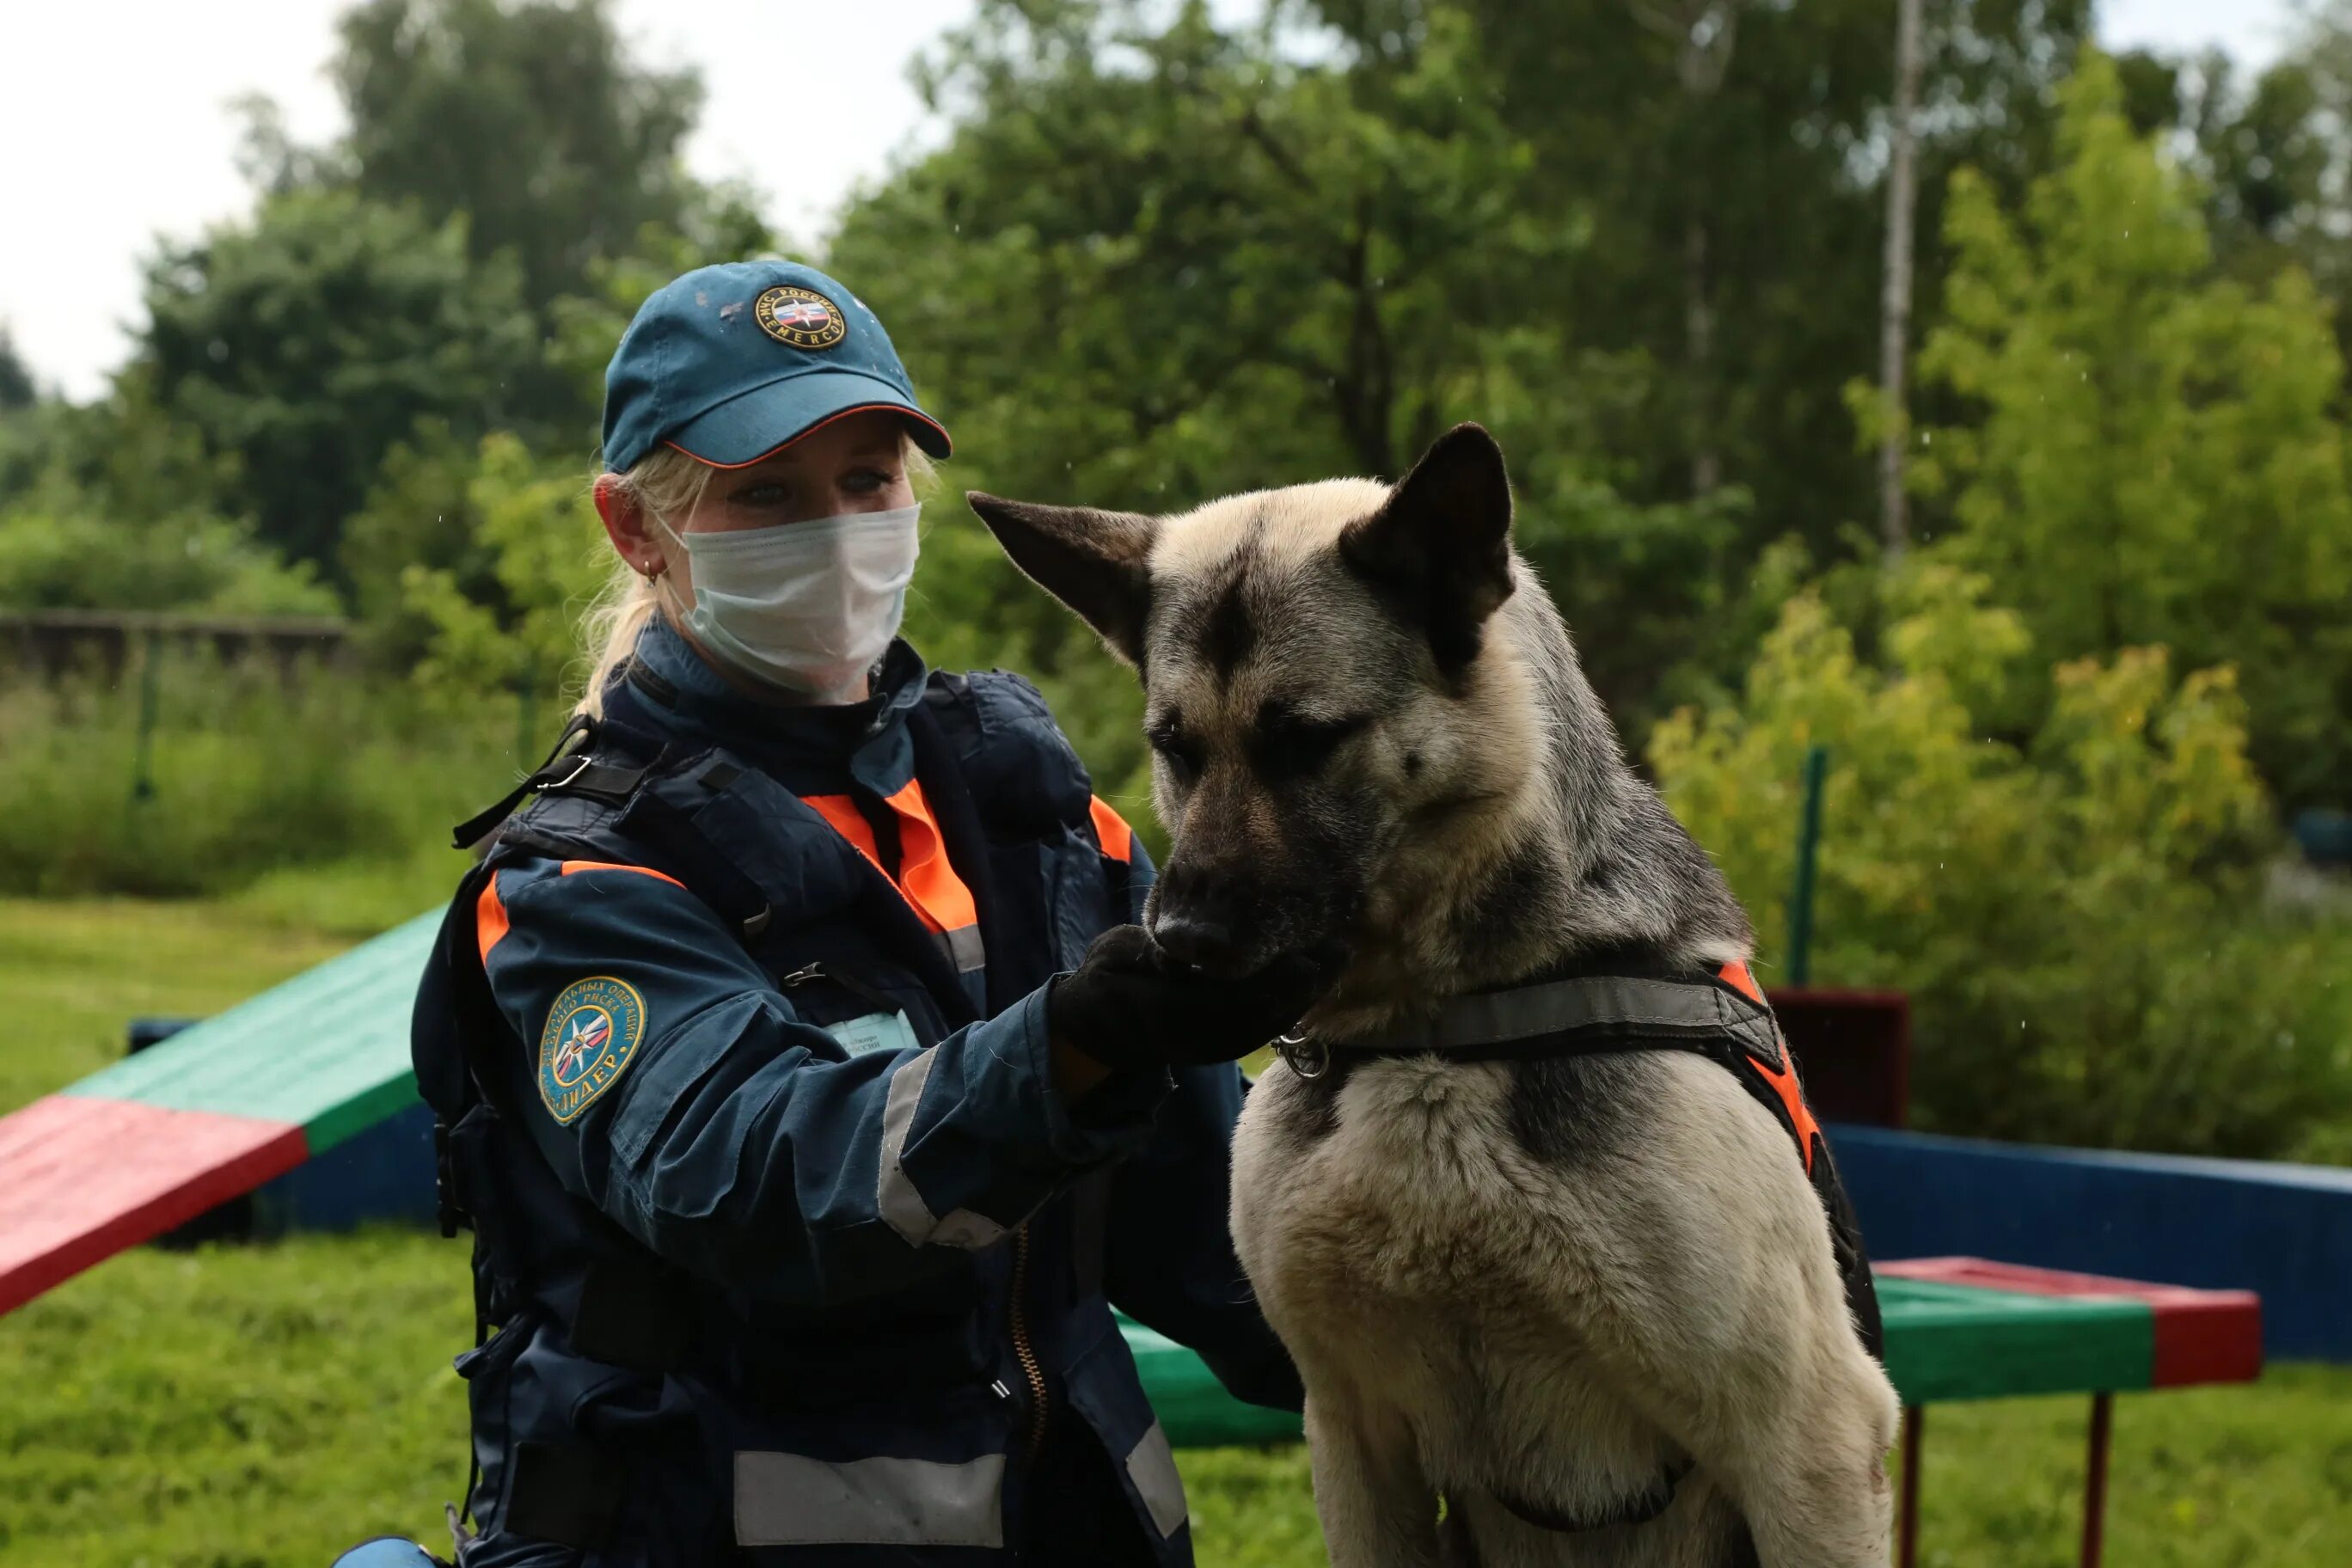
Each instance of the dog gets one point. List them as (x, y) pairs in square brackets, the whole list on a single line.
[(1559, 1297)]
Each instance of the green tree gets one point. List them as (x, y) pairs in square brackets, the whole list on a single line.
[(539, 537), (528, 120), (306, 343), (1727, 159), (2076, 919), (16, 388), (2152, 455), (527, 116), (1158, 261), (114, 505)]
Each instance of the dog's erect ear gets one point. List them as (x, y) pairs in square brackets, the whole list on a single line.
[(1096, 562), (1441, 547)]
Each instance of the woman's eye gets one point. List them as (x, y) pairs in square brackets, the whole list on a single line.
[(760, 496), (866, 481)]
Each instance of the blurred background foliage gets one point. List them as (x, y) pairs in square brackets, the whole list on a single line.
[(1153, 256)]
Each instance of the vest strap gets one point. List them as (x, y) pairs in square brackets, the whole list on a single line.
[(566, 771)]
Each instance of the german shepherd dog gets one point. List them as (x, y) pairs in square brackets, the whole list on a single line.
[(1570, 1308)]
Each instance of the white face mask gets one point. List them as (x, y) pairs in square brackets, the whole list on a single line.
[(807, 606)]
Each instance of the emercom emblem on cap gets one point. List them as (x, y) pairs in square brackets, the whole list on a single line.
[(801, 317)]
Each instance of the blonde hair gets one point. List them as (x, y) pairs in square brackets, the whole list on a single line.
[(667, 485)]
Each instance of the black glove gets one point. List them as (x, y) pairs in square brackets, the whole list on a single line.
[(1129, 1004)]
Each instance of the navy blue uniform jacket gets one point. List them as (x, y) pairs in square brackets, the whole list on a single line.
[(793, 1251)]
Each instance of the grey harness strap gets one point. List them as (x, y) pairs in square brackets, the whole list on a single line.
[(1719, 1017), (1578, 1016)]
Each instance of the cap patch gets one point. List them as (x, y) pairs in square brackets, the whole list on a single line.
[(801, 317), (591, 1033)]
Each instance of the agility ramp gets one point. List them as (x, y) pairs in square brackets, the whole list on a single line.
[(209, 1114)]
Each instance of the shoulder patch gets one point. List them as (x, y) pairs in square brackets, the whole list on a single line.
[(593, 1033)]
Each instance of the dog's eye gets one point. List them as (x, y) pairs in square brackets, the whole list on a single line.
[(1290, 746), (1182, 756)]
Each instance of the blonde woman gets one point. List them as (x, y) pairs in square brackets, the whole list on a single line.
[(807, 1081)]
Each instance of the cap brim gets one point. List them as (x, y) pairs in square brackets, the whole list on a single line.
[(766, 419)]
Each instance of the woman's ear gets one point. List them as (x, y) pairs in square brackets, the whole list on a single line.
[(630, 530)]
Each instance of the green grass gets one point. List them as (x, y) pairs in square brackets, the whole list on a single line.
[(272, 1404), (79, 970)]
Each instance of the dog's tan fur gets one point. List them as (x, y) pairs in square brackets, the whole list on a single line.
[(1477, 1310)]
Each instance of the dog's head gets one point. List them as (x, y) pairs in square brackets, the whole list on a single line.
[(1320, 691)]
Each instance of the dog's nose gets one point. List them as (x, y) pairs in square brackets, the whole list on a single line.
[(1198, 939)]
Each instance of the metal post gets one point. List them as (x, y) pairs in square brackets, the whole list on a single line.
[(1809, 844), (151, 704), (1895, 298), (2094, 1483), (1915, 1417)]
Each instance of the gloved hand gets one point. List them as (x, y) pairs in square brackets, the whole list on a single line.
[(1129, 1004)]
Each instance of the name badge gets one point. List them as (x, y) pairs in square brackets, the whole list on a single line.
[(875, 1032)]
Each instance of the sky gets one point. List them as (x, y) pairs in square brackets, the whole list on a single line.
[(117, 128)]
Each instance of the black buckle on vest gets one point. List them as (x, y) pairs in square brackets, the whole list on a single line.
[(565, 772)]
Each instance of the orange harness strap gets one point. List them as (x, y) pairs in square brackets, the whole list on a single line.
[(1783, 1083)]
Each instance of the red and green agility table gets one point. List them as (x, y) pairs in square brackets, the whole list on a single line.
[(224, 1105)]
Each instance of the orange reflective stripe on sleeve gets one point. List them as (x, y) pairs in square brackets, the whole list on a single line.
[(570, 867), (489, 916), (1783, 1083), (1117, 838)]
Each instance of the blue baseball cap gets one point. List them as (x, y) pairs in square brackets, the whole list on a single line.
[(729, 363)]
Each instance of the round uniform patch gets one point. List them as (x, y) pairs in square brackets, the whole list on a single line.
[(591, 1033), (801, 317)]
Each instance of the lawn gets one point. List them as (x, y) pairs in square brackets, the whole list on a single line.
[(272, 1404)]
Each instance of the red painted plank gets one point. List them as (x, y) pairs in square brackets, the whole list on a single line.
[(82, 1178), (2201, 1336)]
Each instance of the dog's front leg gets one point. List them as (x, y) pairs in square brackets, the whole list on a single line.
[(1815, 1490), (1377, 1509)]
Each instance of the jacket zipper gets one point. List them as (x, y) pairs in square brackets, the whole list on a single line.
[(1022, 1350)]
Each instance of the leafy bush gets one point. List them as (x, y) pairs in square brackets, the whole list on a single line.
[(2148, 455), (103, 508), (2079, 922), (545, 557), (249, 772)]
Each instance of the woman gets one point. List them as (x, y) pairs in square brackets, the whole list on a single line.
[(799, 1179)]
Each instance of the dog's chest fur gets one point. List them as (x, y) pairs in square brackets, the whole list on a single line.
[(1482, 1252)]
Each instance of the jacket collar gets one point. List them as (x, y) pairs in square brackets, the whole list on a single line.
[(809, 748)]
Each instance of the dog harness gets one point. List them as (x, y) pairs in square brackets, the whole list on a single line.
[(1631, 1002)]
